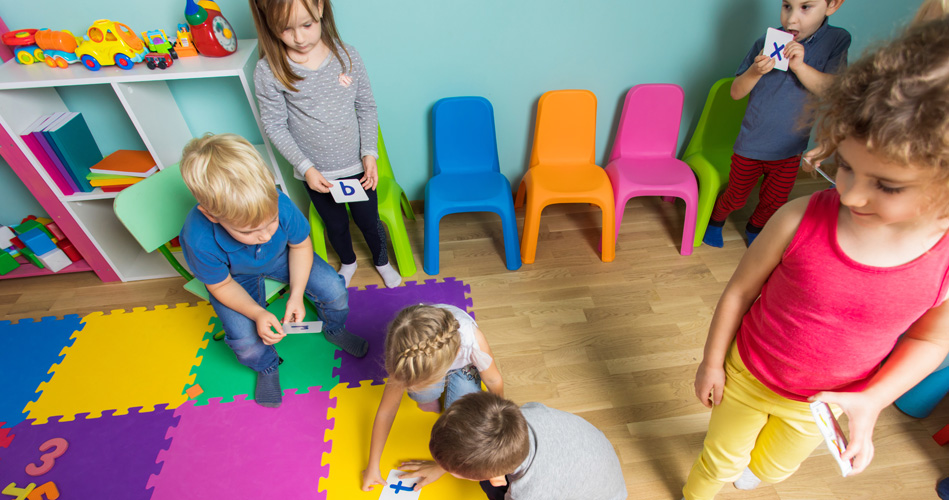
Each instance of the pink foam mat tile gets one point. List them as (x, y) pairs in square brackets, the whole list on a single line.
[(243, 450)]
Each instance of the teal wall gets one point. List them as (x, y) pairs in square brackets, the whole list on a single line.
[(509, 51)]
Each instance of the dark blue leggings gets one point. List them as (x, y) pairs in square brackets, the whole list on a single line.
[(336, 221)]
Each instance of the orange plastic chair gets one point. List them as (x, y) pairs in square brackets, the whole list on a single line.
[(562, 168)]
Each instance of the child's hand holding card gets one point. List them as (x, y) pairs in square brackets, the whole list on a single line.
[(775, 41), (397, 488)]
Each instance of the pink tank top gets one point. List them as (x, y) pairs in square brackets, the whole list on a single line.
[(826, 322)]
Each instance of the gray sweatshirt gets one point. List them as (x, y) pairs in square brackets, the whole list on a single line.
[(569, 459), (325, 124)]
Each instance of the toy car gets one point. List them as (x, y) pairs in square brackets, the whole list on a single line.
[(156, 60), (24, 46), (59, 47), (110, 43), (157, 41)]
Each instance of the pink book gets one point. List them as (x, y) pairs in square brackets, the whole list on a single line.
[(47, 157)]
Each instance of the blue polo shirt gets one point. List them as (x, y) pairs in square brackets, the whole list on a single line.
[(772, 128), (212, 254)]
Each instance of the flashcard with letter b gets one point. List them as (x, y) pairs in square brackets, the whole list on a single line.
[(774, 44), (348, 190), (397, 488)]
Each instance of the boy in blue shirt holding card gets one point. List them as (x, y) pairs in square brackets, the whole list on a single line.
[(242, 231), (772, 135)]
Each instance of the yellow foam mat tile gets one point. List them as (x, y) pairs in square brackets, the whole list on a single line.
[(408, 440), (123, 360)]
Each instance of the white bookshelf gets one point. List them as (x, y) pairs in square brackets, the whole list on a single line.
[(30, 91)]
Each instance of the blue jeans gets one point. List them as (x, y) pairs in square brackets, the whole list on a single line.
[(456, 384), (325, 289)]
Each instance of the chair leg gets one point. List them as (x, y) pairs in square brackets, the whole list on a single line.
[(618, 211), (317, 233), (512, 249), (521, 194), (400, 243), (430, 253), (707, 196), (531, 231), (688, 227), (407, 207), (608, 241)]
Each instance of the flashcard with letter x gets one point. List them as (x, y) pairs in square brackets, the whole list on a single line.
[(348, 190), (774, 44), (397, 488)]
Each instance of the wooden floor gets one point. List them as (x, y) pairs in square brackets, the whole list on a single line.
[(616, 343)]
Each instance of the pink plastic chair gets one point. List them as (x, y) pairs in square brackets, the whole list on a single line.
[(643, 161)]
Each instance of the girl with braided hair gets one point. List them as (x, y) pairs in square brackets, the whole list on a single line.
[(429, 350)]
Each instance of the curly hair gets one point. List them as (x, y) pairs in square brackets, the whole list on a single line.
[(421, 344), (896, 100), (480, 436)]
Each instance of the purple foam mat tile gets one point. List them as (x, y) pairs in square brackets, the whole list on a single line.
[(107, 457), (370, 312), (243, 450)]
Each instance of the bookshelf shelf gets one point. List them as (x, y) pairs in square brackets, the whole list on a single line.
[(87, 219)]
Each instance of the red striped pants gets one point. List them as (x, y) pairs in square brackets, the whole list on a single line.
[(779, 177)]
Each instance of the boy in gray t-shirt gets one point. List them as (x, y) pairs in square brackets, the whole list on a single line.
[(526, 453)]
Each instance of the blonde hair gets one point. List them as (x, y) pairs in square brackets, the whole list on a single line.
[(421, 344), (480, 436), (229, 179), (930, 10), (896, 100), (272, 16)]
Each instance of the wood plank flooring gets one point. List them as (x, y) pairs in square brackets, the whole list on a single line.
[(616, 343)]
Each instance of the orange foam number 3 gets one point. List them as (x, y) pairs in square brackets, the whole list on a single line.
[(59, 446)]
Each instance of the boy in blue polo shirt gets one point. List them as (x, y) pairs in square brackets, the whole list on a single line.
[(772, 135), (242, 231)]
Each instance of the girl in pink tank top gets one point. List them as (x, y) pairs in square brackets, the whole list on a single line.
[(824, 293)]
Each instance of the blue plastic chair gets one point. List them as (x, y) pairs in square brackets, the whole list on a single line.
[(922, 399), (467, 176)]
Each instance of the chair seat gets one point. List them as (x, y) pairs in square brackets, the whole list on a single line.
[(271, 288), (465, 190), (571, 181), (669, 174)]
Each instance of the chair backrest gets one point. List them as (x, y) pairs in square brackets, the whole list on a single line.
[(565, 131), (464, 138), (720, 122), (649, 124), (383, 167), (154, 209)]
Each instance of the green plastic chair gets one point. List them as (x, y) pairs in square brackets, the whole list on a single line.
[(393, 204), (154, 211), (711, 146)]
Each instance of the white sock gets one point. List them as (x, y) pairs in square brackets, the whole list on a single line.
[(390, 276), (347, 271), (748, 480)]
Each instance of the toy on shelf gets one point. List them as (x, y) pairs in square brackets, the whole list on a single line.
[(184, 45), (24, 46), (110, 43), (213, 35), (161, 52), (39, 241), (59, 47)]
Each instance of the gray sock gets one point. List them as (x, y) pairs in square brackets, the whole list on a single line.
[(268, 391), (354, 345)]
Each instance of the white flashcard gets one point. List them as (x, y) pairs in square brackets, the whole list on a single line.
[(348, 190), (774, 44), (397, 488), (303, 327), (833, 435)]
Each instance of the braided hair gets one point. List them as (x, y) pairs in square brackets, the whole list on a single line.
[(421, 344)]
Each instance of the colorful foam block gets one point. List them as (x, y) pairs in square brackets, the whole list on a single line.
[(55, 231), (67, 247), (54, 260), (6, 234), (7, 263), (29, 224), (37, 241), (30, 256)]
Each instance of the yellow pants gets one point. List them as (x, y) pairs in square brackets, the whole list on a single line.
[(752, 427)]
